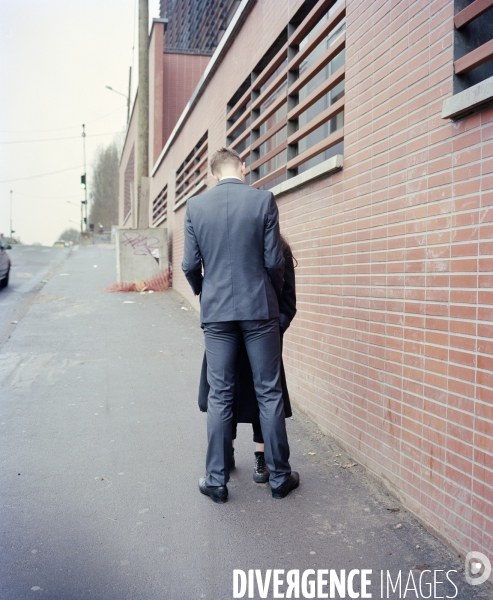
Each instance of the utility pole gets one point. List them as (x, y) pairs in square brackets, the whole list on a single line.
[(127, 267), (143, 114), (11, 216), (85, 176), (81, 219), (129, 92)]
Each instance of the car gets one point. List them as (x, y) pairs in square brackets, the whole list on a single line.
[(59, 244), (4, 264)]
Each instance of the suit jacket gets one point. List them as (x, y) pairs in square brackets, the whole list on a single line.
[(245, 406), (233, 256)]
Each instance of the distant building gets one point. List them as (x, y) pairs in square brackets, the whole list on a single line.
[(196, 26), (372, 123), (179, 52)]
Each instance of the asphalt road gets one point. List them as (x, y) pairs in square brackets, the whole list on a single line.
[(102, 445), (29, 266)]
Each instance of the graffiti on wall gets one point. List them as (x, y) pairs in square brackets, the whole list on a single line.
[(142, 245)]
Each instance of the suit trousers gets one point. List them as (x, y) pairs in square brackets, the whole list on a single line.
[(263, 346)]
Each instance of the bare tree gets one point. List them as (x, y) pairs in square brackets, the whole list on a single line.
[(70, 235), (103, 188)]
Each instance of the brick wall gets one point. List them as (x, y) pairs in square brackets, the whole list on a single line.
[(391, 351), (181, 73)]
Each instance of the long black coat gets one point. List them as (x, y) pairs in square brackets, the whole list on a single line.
[(245, 406)]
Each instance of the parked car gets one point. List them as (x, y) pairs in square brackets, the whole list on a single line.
[(59, 244), (4, 265)]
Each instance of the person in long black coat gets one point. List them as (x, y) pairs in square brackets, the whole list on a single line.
[(246, 408)]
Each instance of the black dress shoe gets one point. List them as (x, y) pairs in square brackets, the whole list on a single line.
[(216, 494), (289, 485)]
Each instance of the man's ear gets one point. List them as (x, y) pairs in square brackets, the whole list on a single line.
[(243, 172), (214, 177)]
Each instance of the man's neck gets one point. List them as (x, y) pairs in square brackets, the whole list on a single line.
[(230, 177)]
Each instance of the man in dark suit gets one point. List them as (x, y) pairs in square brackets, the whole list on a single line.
[(233, 258)]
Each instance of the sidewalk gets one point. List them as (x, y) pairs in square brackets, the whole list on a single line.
[(102, 445)]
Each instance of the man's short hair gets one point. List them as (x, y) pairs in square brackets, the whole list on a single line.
[(223, 157)]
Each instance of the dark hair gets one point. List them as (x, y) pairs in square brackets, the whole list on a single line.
[(224, 156), (286, 250)]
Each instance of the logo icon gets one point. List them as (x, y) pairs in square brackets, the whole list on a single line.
[(478, 568)]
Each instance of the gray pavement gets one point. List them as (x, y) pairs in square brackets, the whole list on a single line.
[(102, 445), (29, 266)]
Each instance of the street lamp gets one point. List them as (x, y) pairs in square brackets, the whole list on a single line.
[(116, 92), (124, 95)]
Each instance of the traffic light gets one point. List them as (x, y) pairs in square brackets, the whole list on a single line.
[(85, 221), (83, 181)]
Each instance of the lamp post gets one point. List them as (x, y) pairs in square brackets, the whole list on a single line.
[(108, 87), (85, 180)]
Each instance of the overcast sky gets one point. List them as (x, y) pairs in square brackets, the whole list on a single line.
[(56, 57)]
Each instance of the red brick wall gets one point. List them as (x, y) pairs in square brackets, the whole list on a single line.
[(181, 73), (391, 351)]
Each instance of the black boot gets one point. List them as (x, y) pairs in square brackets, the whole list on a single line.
[(261, 471)]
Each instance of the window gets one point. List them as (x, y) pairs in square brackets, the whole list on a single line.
[(316, 96), (160, 207), (192, 171), (473, 43), (473, 59), (289, 114), (239, 117), (323, 104)]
